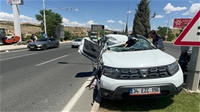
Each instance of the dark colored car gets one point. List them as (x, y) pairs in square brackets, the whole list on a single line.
[(44, 44)]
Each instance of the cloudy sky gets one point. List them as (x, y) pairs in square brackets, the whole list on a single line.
[(111, 13)]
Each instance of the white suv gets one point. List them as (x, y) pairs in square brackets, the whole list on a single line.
[(139, 71)]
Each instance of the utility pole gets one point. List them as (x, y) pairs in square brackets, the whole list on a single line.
[(45, 28), (166, 36), (126, 30), (44, 19), (86, 23)]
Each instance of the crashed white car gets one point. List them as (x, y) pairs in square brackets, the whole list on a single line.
[(139, 71)]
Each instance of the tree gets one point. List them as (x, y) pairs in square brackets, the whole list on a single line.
[(126, 30), (162, 32), (52, 20), (68, 35), (101, 32), (141, 22)]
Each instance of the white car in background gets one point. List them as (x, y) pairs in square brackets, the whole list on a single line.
[(76, 43), (139, 71)]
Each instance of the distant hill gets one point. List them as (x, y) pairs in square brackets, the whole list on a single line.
[(29, 28), (26, 28)]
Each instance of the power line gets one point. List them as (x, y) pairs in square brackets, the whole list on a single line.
[(67, 9), (32, 7)]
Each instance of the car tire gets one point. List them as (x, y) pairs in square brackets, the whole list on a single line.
[(57, 45), (29, 49), (44, 47)]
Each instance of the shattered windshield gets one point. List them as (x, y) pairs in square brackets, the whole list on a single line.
[(139, 44)]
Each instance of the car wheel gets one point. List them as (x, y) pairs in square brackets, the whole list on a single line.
[(57, 45), (44, 47), (29, 49)]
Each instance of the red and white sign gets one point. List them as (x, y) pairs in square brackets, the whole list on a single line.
[(14, 2), (190, 35), (181, 22)]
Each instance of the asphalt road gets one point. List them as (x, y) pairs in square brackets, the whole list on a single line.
[(172, 50), (41, 80), (45, 80)]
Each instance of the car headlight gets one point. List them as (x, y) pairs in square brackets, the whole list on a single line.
[(173, 68), (110, 72), (39, 45)]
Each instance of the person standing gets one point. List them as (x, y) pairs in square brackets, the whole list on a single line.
[(157, 40), (33, 38), (98, 39), (184, 58)]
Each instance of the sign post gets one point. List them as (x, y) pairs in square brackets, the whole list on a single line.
[(15, 6), (192, 82), (190, 36), (16, 19)]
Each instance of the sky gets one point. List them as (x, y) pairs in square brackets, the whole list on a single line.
[(112, 13)]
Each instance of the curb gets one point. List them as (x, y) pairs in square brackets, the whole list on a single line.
[(96, 104), (6, 50)]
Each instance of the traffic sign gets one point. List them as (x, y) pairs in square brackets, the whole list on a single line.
[(181, 22), (190, 36), (44, 35)]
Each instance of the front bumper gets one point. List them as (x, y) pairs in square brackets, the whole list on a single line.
[(119, 89), (34, 47), (75, 45), (122, 92)]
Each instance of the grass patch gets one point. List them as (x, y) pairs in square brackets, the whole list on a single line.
[(183, 102)]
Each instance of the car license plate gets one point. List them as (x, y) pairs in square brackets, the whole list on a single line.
[(31, 47), (144, 91)]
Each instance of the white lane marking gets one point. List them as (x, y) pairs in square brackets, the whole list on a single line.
[(52, 60), (75, 98), (18, 56)]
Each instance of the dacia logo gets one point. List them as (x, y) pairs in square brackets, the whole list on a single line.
[(144, 72)]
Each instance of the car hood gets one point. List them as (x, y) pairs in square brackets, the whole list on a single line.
[(137, 59), (77, 42), (37, 42)]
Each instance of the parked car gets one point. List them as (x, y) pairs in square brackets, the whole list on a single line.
[(76, 43), (139, 71), (11, 40), (43, 44)]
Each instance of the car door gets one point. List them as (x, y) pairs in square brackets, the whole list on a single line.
[(52, 42), (90, 50)]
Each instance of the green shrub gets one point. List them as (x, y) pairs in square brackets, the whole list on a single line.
[(171, 37), (61, 39)]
